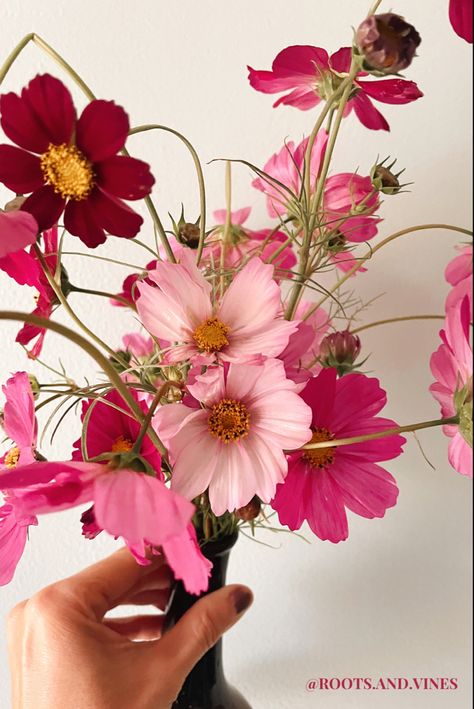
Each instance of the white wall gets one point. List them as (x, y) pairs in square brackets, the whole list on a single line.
[(394, 599)]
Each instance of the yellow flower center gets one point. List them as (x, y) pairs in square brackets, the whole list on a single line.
[(12, 457), (210, 336), (320, 457), (122, 445), (68, 171), (229, 420)]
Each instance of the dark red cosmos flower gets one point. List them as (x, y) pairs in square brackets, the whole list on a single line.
[(129, 292), (71, 165)]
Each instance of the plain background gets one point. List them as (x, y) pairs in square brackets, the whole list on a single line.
[(394, 599)]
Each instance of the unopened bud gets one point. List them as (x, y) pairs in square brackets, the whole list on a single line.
[(35, 387), (189, 234), (385, 180), (387, 43), (249, 512), (340, 350)]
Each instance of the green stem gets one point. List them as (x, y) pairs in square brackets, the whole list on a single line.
[(108, 369), (100, 293), (228, 222), (200, 177), (381, 434), (160, 228), (388, 240), (374, 8), (394, 320)]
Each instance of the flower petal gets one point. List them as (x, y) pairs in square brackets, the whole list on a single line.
[(393, 91), (124, 177), (187, 561), (113, 215), (17, 230), (19, 414), (20, 171), (366, 488), (81, 220), (367, 114), (45, 205), (102, 130)]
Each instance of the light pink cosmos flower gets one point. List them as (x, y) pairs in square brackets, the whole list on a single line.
[(128, 504), (459, 274), (322, 483), (311, 75), (17, 230), (245, 243), (232, 438), (460, 15), (20, 425), (246, 324), (286, 167), (451, 365)]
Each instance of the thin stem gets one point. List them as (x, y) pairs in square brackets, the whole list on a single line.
[(394, 320), (374, 8), (106, 366), (160, 228), (373, 250), (228, 221), (102, 294), (200, 177), (381, 434), (63, 300)]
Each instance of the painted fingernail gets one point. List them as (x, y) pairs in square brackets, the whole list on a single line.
[(242, 599)]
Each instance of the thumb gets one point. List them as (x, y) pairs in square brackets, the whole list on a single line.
[(202, 626)]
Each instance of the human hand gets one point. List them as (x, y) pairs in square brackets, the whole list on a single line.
[(64, 653)]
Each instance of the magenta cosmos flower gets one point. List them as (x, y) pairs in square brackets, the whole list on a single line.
[(460, 15), (128, 504), (17, 230), (322, 483), (451, 365), (246, 324), (245, 243), (232, 437), (310, 75), (71, 165), (112, 428), (20, 425)]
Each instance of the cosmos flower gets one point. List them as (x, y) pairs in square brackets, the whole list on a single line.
[(71, 165), (322, 483), (246, 324), (231, 436), (310, 76), (451, 365)]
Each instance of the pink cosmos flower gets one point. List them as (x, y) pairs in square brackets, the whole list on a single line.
[(451, 365), (20, 425), (460, 15), (246, 324), (311, 75), (322, 483), (112, 428), (286, 167), (138, 345), (231, 439), (71, 165), (128, 504), (245, 243), (17, 230), (346, 194), (459, 274), (300, 357)]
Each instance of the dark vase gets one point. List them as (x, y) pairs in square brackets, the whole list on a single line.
[(206, 686)]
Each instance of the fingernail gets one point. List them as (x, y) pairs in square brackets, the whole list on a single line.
[(242, 599)]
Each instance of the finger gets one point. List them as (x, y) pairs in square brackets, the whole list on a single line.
[(159, 599), (98, 588), (156, 580), (138, 627), (202, 626)]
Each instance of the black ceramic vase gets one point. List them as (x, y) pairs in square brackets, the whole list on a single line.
[(206, 686)]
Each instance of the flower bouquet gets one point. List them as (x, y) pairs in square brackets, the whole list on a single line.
[(243, 401)]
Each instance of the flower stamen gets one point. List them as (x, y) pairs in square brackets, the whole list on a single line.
[(320, 457), (229, 420), (68, 171), (122, 445), (12, 457), (210, 336)]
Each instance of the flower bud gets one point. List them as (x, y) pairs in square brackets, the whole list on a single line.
[(250, 511), (384, 180), (189, 235), (387, 43), (340, 350), (35, 387)]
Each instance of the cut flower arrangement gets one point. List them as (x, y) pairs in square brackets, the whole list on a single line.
[(242, 402)]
